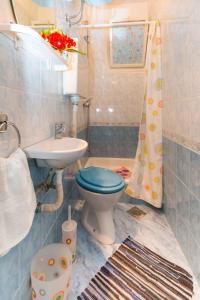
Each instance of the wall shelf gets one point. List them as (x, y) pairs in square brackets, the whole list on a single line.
[(14, 31)]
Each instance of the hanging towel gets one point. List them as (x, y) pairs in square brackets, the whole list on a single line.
[(17, 200)]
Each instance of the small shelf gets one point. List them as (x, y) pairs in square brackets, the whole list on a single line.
[(14, 29)]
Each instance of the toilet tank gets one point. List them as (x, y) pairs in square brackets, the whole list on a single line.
[(75, 79)]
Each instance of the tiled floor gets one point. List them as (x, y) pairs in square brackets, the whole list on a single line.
[(152, 230)]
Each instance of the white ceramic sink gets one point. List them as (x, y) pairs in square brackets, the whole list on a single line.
[(57, 153)]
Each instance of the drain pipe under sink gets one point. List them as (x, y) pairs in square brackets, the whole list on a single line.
[(51, 207)]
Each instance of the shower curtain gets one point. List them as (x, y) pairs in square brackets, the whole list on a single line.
[(146, 181)]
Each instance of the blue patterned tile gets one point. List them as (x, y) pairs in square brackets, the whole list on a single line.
[(194, 174), (183, 164), (44, 231), (67, 187), (170, 211), (52, 236), (9, 274), (182, 208), (37, 174), (194, 254), (61, 218), (47, 218), (169, 183), (24, 292), (182, 199), (113, 141), (195, 217), (29, 247), (152, 231), (83, 134), (22, 74), (182, 234), (170, 154)]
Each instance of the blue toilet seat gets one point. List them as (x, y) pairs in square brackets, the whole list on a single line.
[(100, 180)]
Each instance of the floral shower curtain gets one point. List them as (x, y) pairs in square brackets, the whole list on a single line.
[(146, 181)]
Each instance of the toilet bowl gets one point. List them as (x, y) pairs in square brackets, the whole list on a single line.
[(101, 189)]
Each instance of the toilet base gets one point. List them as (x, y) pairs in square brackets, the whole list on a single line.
[(99, 224)]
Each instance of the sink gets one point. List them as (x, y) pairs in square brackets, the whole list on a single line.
[(57, 153)]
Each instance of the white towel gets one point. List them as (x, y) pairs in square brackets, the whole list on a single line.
[(17, 200)]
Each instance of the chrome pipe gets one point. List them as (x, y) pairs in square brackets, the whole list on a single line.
[(77, 16), (17, 131)]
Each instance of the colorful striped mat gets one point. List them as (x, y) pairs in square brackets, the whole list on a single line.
[(135, 272)]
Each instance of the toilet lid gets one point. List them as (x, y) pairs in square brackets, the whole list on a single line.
[(100, 180)]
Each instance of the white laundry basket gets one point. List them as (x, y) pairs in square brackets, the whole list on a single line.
[(51, 273)]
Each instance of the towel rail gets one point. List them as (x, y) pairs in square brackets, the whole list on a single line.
[(4, 124)]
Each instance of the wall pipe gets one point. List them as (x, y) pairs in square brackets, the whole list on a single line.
[(75, 99)]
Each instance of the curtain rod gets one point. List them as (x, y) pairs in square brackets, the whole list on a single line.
[(120, 24)]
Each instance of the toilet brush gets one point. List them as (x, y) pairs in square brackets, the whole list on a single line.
[(69, 233)]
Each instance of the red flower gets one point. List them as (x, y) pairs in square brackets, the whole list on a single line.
[(43, 35), (57, 40), (70, 42)]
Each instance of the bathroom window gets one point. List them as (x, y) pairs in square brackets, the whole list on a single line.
[(128, 46)]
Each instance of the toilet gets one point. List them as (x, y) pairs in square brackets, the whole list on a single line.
[(101, 189)]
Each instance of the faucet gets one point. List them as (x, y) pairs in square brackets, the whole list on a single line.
[(59, 130)]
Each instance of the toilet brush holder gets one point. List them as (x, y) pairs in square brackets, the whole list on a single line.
[(69, 233)]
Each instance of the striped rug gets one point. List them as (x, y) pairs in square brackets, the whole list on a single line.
[(135, 272)]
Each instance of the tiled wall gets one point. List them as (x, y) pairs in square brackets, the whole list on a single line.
[(181, 66), (46, 229), (180, 21), (117, 93), (113, 141), (31, 94), (182, 199), (82, 36)]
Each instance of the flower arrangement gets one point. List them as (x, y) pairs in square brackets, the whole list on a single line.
[(59, 41)]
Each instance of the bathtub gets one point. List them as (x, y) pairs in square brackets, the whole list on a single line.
[(111, 163)]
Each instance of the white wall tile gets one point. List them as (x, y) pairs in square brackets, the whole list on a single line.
[(180, 65), (119, 89), (30, 94)]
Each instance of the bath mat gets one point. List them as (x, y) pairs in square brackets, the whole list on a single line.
[(124, 172), (135, 272), (136, 213)]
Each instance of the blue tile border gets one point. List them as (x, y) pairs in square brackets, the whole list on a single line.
[(46, 228), (113, 141), (181, 205), (182, 199)]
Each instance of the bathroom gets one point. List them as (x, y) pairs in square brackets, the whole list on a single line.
[(108, 115)]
